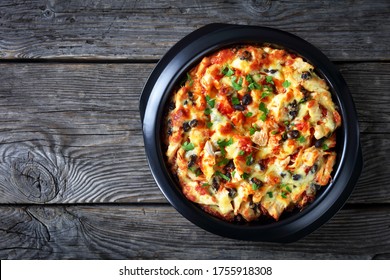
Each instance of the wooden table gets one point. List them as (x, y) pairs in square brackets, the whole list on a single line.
[(74, 181)]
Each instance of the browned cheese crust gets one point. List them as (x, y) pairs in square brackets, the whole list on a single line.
[(251, 133)]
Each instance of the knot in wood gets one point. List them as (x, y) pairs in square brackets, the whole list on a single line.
[(260, 6), (34, 181), (48, 13)]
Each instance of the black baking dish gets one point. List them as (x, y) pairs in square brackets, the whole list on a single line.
[(172, 68)]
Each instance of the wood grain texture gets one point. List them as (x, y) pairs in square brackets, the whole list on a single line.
[(127, 30), (369, 86), (71, 133), (78, 125), (74, 180), (129, 232)]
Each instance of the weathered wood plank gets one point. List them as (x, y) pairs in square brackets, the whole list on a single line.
[(372, 184), (84, 91), (130, 232), (71, 130), (344, 30), (70, 133), (43, 172), (369, 86)]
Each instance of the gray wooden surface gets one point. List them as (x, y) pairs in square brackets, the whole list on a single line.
[(74, 181)]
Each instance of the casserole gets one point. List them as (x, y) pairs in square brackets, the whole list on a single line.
[(173, 67)]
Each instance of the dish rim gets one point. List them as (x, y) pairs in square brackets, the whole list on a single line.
[(191, 49)]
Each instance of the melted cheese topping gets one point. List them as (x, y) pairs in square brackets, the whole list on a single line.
[(250, 133)]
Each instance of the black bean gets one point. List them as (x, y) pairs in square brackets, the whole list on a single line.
[(306, 75), (318, 143), (314, 168), (186, 127), (305, 92), (261, 164), (257, 182), (215, 184), (271, 88), (282, 175), (232, 193), (246, 55), (293, 114), (194, 123), (293, 134), (253, 205), (227, 174), (171, 106), (192, 161), (198, 172), (296, 177), (315, 187), (190, 95), (284, 136), (238, 107), (229, 167), (294, 105), (246, 99), (169, 125), (271, 71)]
